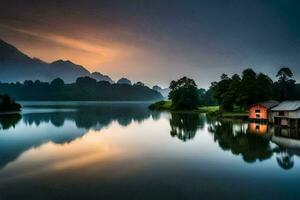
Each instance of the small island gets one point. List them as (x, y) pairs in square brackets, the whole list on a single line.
[(8, 104)]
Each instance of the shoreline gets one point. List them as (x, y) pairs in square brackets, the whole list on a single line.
[(213, 111)]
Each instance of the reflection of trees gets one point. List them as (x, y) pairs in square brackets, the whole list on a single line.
[(284, 158), (93, 116), (8, 121), (233, 137), (184, 126)]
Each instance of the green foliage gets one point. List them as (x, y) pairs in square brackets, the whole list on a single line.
[(251, 88), (206, 97), (8, 104), (184, 94), (161, 105)]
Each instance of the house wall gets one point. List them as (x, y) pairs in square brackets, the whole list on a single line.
[(287, 114), (263, 114)]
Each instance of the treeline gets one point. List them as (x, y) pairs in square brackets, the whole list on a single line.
[(241, 91), (84, 89)]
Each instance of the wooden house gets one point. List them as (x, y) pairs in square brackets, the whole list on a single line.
[(287, 114), (262, 111)]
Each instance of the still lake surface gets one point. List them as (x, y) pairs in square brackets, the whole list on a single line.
[(89, 150)]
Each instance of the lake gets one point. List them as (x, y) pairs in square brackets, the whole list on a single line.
[(90, 150)]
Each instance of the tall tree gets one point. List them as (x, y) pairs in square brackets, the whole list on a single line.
[(183, 94), (285, 87)]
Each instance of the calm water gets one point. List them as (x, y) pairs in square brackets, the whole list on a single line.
[(124, 151)]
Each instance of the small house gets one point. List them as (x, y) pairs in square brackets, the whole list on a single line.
[(287, 114), (262, 111)]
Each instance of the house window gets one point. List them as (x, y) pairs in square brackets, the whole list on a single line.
[(257, 111), (281, 113)]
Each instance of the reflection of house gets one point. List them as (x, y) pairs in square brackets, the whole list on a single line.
[(287, 114), (257, 128), (261, 111)]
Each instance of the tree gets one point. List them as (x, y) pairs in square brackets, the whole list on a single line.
[(219, 89), (285, 87), (183, 94), (264, 86), (284, 74), (57, 83), (85, 81), (8, 104)]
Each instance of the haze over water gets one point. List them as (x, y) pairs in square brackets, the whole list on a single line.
[(124, 151)]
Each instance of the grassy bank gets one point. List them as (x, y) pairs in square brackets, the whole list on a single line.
[(209, 110)]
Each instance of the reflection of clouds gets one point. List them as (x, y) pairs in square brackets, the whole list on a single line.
[(38, 128), (22, 138)]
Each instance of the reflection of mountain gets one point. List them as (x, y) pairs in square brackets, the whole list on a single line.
[(16, 141), (58, 127), (184, 126), (235, 138), (93, 117), (7, 121)]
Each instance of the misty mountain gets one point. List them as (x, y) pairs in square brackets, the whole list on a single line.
[(67, 70), (164, 92), (101, 77), (17, 66)]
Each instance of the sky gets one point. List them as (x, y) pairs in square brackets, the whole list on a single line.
[(156, 41)]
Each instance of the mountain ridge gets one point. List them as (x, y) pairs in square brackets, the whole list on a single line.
[(17, 66)]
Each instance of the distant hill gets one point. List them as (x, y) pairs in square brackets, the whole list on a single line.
[(164, 92), (17, 66), (100, 77)]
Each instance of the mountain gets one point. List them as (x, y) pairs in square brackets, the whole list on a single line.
[(17, 66), (101, 77), (67, 70), (124, 81), (164, 92)]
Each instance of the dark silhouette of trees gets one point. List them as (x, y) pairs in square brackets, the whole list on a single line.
[(285, 87), (84, 89), (253, 87), (183, 94), (8, 104), (206, 97), (8, 121), (57, 83)]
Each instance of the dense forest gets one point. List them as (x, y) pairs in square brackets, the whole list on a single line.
[(241, 91), (84, 89)]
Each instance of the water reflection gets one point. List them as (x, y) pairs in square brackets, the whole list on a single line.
[(43, 124), (235, 137), (288, 141), (94, 117), (127, 151), (185, 125), (54, 125), (9, 120)]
